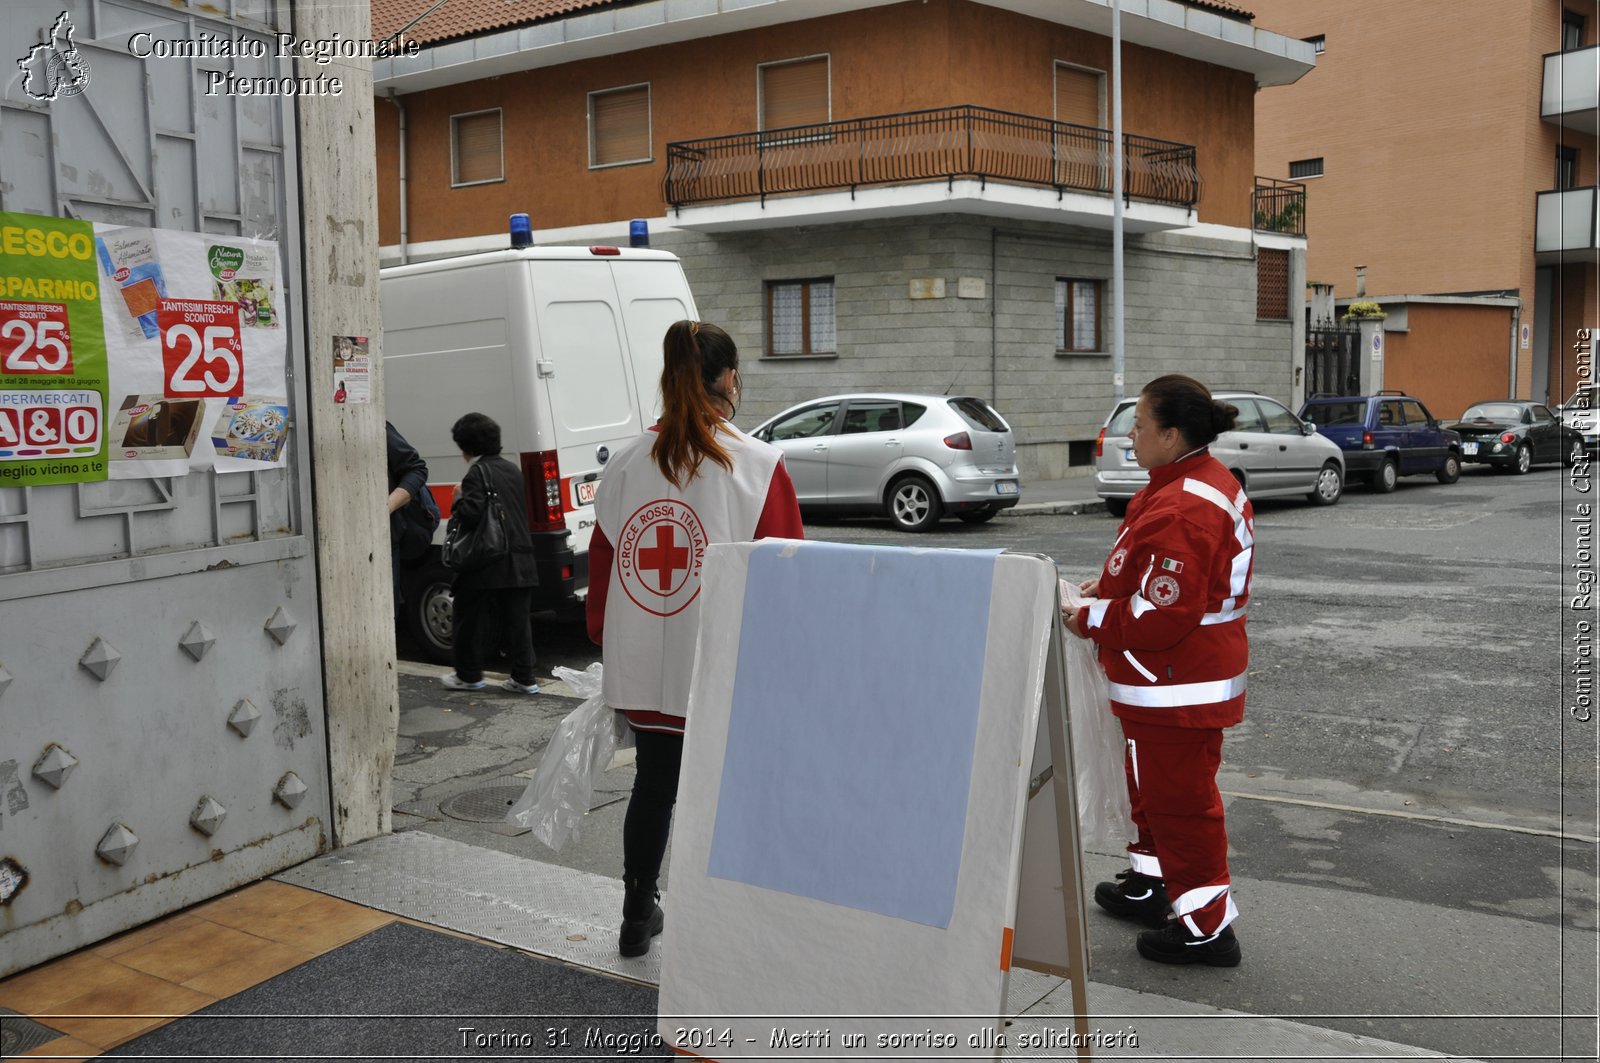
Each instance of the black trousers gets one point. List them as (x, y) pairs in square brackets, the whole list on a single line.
[(499, 614), (657, 760)]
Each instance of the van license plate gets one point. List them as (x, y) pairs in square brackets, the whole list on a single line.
[(585, 492), (1469, 448), (1006, 487)]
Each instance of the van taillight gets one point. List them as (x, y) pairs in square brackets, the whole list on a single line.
[(604, 251), (959, 441), (1100, 444), (541, 473)]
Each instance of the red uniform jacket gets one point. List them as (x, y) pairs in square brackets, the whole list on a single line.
[(1170, 623)]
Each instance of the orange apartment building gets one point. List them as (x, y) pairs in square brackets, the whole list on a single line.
[(1449, 146), (899, 194)]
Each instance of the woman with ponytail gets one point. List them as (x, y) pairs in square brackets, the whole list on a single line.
[(691, 480), (1167, 617)]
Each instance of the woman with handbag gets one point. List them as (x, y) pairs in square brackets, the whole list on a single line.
[(692, 480), (491, 598)]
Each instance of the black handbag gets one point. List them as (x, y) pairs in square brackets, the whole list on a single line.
[(468, 549)]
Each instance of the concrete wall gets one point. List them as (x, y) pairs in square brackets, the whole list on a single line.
[(1190, 308)]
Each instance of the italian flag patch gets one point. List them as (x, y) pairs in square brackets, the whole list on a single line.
[(1169, 565)]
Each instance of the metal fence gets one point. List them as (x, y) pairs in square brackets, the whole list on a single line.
[(1279, 206), (1332, 365), (941, 144)]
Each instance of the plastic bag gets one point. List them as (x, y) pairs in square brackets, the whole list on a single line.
[(1105, 819), (559, 794)]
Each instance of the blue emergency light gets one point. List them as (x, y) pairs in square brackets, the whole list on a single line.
[(521, 231), (638, 233)]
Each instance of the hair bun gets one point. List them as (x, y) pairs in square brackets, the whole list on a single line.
[(1223, 416)]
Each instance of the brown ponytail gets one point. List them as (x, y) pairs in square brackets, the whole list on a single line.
[(694, 356)]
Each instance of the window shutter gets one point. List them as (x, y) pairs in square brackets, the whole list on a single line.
[(1077, 96), (621, 125), (794, 94), (478, 147)]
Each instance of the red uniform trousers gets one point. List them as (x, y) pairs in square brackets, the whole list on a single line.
[(1172, 786)]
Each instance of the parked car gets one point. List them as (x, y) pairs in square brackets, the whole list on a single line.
[(1271, 451), (1516, 435), (1386, 436), (912, 458), (1581, 413)]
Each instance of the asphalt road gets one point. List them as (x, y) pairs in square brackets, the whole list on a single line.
[(1411, 805)]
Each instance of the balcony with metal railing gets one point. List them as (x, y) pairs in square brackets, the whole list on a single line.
[(1571, 97), (967, 158), (1279, 206)]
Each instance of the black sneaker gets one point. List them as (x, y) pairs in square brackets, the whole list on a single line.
[(1135, 896), (1173, 943), (634, 940)]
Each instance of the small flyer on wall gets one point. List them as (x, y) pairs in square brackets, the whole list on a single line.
[(197, 352), (52, 353), (352, 370)]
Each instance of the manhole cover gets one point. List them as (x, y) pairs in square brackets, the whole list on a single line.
[(18, 1034), (487, 804)]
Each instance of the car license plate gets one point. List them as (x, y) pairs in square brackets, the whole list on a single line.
[(1469, 448), (585, 492), (1006, 487)]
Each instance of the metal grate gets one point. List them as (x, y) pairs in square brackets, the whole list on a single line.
[(19, 1034), (1272, 284), (485, 804)]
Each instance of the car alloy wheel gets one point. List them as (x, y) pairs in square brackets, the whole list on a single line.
[(1450, 471), (914, 505), (1524, 459), (1330, 485)]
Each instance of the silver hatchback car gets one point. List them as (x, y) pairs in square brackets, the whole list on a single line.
[(1273, 453), (912, 458)]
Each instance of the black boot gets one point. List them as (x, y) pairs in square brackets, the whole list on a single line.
[(642, 919), (1135, 896)]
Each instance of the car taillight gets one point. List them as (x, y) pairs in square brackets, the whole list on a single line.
[(541, 473), (1366, 440), (959, 441), (1100, 444), (1508, 437)]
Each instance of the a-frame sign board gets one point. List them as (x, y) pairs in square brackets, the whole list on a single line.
[(876, 816)]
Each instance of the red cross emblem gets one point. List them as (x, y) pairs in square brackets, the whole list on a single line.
[(659, 554), (665, 557)]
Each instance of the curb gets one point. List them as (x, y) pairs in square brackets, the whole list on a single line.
[(1090, 505)]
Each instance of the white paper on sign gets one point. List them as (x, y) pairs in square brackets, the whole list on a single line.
[(914, 687)]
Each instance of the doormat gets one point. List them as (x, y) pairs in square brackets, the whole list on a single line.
[(405, 992)]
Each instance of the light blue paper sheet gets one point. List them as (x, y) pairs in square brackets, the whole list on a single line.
[(854, 717)]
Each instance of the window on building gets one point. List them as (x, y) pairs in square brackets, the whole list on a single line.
[(619, 126), (475, 148), (1080, 96), (1302, 168), (1319, 42), (794, 93), (1573, 23), (800, 318), (1566, 167), (1077, 314), (1272, 284)]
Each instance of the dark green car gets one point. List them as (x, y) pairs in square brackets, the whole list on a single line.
[(1512, 435)]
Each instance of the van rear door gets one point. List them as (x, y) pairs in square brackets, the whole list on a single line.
[(653, 293)]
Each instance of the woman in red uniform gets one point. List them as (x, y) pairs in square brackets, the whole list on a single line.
[(1169, 625), (692, 480)]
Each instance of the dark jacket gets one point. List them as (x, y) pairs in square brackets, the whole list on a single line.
[(517, 568), (411, 526)]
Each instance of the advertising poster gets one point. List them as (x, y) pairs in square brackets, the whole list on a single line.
[(352, 370), (53, 374), (197, 352)]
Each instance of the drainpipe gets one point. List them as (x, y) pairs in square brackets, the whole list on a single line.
[(1516, 329), (994, 317), (1118, 358), (404, 216)]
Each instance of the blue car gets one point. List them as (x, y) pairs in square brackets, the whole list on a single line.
[(1386, 436)]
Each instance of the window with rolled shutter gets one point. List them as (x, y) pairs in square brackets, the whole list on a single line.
[(1078, 95), (794, 93), (619, 126), (475, 149)]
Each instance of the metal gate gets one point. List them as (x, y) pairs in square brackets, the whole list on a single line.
[(1332, 362), (163, 734)]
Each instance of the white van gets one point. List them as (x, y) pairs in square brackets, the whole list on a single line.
[(562, 347)]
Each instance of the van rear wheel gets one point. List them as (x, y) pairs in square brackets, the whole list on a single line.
[(429, 610)]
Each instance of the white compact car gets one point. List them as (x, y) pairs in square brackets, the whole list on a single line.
[(913, 458)]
